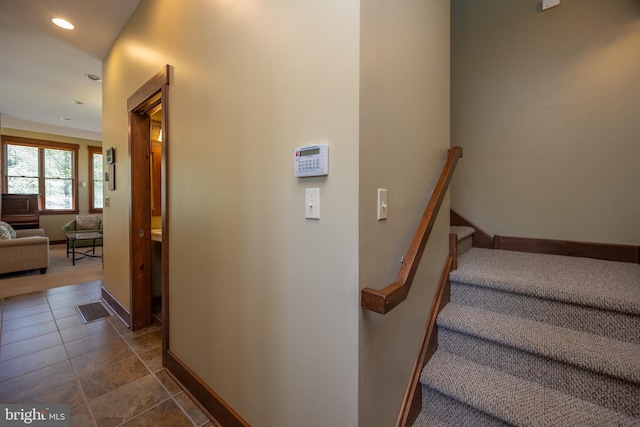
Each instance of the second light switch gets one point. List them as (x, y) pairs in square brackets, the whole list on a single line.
[(312, 203)]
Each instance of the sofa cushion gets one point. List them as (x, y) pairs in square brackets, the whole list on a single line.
[(87, 222), (12, 232), (5, 234)]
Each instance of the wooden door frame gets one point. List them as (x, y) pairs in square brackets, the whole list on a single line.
[(153, 93)]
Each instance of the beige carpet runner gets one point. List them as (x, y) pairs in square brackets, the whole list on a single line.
[(536, 340)]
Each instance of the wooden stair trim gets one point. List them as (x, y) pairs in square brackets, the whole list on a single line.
[(412, 402), (603, 251), (480, 239)]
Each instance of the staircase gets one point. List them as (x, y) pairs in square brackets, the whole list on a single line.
[(536, 340)]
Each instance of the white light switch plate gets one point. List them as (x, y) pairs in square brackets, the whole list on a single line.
[(382, 204), (312, 203)]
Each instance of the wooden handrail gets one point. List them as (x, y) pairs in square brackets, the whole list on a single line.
[(384, 300)]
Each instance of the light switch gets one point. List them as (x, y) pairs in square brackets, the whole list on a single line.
[(382, 204), (312, 203), (548, 4)]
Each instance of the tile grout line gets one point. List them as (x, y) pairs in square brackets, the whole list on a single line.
[(73, 368), (171, 396), (87, 293), (22, 340)]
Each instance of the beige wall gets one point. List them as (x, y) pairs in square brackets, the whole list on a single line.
[(547, 108), (52, 224), (404, 137), (264, 304)]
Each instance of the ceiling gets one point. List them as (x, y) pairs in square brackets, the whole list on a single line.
[(43, 67)]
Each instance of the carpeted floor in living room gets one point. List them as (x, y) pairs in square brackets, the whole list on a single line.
[(61, 272)]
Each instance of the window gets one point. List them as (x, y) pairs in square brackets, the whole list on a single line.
[(95, 179), (46, 168)]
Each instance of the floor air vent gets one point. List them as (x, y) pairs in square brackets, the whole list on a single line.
[(92, 312)]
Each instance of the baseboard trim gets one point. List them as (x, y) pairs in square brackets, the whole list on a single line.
[(115, 305), (480, 239), (604, 251), (222, 413)]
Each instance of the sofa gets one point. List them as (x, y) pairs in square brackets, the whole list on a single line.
[(28, 250), (84, 224)]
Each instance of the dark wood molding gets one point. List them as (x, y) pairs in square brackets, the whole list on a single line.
[(219, 410), (142, 99), (140, 220), (115, 305), (412, 402), (39, 142), (480, 239), (164, 189), (383, 301), (604, 251)]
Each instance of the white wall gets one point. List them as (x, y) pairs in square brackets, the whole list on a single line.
[(264, 304), (546, 106), (404, 137)]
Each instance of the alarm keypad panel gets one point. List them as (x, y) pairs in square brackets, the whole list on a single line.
[(312, 160)]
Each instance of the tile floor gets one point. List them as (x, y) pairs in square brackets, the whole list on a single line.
[(108, 375)]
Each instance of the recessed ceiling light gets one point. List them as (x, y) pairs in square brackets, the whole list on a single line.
[(93, 77), (63, 23), (65, 118)]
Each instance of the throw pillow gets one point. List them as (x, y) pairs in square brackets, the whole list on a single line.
[(87, 222), (10, 228), (5, 234)]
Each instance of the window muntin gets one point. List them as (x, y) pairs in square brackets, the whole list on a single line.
[(96, 180), (58, 179), (22, 169), (46, 168)]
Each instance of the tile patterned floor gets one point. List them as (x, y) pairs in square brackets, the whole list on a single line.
[(108, 375)]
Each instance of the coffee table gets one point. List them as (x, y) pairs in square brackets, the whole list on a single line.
[(73, 237)]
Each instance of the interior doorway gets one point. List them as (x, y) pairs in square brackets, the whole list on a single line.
[(149, 200)]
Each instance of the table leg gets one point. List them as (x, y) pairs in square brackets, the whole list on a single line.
[(73, 256)]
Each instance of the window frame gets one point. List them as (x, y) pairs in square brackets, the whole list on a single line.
[(94, 150), (42, 145)]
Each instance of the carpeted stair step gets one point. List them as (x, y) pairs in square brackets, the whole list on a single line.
[(536, 340), (512, 399), (604, 390), (604, 285), (426, 420), (598, 354), (441, 410), (464, 236), (607, 323)]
